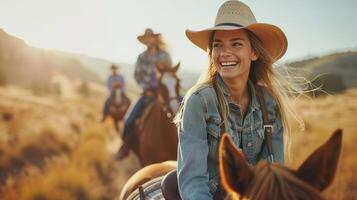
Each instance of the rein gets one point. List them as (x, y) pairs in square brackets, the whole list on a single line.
[(166, 102), (166, 106)]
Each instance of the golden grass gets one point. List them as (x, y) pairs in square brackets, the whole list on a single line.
[(322, 116), (86, 171), (56, 149)]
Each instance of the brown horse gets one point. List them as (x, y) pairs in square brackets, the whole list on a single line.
[(276, 181), (240, 181), (155, 133), (118, 106)]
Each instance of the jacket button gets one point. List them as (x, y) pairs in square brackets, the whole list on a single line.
[(249, 144)]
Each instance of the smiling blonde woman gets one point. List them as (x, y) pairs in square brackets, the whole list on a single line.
[(241, 95)]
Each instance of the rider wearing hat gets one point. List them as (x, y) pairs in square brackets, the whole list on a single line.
[(145, 75), (240, 94), (115, 80)]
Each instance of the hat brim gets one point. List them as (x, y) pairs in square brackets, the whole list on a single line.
[(272, 37), (144, 38)]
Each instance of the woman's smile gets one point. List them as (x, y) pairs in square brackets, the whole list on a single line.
[(228, 66)]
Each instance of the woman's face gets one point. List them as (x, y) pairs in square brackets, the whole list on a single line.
[(151, 41), (232, 53)]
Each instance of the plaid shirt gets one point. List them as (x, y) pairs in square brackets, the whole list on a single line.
[(145, 69)]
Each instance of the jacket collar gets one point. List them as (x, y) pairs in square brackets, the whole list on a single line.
[(227, 93)]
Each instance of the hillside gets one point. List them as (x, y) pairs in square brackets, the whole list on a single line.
[(335, 72), (35, 68), (30, 67), (101, 67)]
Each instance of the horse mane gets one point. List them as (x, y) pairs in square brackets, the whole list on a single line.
[(280, 183)]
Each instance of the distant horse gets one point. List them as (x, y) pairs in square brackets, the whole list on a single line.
[(118, 105), (155, 134), (240, 181)]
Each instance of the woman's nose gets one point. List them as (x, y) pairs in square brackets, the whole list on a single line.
[(226, 50)]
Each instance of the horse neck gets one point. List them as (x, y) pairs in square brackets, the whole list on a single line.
[(159, 114), (158, 129)]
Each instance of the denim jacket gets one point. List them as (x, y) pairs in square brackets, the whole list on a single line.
[(199, 130)]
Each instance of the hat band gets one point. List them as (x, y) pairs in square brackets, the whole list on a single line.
[(229, 24)]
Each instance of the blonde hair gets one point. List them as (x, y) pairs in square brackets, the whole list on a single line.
[(161, 43), (279, 87), (261, 73)]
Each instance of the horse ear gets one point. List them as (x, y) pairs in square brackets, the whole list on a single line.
[(234, 170), (320, 167), (175, 69)]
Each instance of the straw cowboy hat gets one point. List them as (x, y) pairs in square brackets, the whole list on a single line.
[(148, 33), (233, 15), (114, 67)]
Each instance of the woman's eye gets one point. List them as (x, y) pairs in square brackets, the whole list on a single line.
[(237, 44), (217, 45)]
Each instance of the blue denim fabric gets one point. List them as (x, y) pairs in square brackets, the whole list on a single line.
[(199, 131), (134, 114)]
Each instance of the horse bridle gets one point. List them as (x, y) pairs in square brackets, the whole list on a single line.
[(166, 108), (169, 113)]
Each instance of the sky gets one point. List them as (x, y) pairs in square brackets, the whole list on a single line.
[(108, 28)]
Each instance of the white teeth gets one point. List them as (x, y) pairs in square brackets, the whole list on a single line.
[(226, 64)]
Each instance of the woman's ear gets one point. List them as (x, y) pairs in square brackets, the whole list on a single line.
[(253, 56)]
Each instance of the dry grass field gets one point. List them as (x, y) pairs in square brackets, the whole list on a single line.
[(52, 148), (322, 116)]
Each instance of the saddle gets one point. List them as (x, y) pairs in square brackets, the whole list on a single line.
[(162, 187), (169, 186), (149, 190)]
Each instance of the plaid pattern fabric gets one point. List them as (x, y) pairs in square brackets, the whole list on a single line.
[(152, 190), (145, 74)]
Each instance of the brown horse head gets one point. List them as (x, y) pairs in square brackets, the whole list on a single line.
[(169, 87), (118, 106), (274, 181)]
